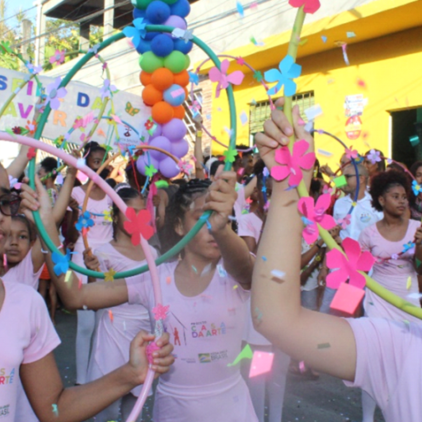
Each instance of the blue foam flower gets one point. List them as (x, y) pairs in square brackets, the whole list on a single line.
[(416, 187), (84, 221), (61, 261), (288, 71), (137, 32)]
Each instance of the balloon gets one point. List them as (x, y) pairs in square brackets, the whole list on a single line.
[(151, 95), (175, 95), (180, 8), (158, 12), (139, 13), (179, 112), (143, 46), (168, 168), (150, 62), (174, 130), (160, 142), (176, 21), (144, 161), (176, 62), (162, 45), (169, 1), (150, 35), (187, 64), (182, 78), (162, 112), (180, 148), (141, 4), (145, 78), (162, 79), (182, 46), (158, 131)]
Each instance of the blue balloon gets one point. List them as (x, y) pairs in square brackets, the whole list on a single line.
[(175, 95), (180, 8), (162, 45), (150, 35), (143, 46), (138, 13), (158, 12), (182, 46)]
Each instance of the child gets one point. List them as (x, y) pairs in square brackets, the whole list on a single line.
[(382, 357), (207, 293)]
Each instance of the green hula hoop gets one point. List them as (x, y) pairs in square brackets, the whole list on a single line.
[(177, 248)]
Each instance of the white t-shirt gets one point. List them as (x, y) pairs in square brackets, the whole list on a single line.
[(389, 366), (363, 215), (26, 336)]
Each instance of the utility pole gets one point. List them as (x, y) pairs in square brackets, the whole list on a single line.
[(26, 26), (40, 29), (84, 36), (108, 18)]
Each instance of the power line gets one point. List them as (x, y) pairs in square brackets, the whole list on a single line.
[(18, 13)]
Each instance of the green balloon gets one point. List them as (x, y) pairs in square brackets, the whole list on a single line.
[(149, 62), (169, 1), (175, 62), (187, 62), (141, 4)]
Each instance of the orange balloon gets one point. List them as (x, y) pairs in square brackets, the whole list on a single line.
[(145, 78), (162, 79), (162, 112), (179, 112), (151, 96), (181, 78)]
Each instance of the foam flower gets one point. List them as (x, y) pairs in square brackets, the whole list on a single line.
[(344, 222), (315, 213), (409, 246), (347, 266), (351, 154), (136, 32), (31, 126), (108, 215), (138, 225), (224, 79), (82, 122), (54, 93), (230, 155), (57, 57), (84, 221), (61, 262), (107, 89), (94, 49), (109, 275), (291, 165), (34, 70), (258, 76), (185, 166), (311, 6), (374, 156), (32, 153), (160, 312), (193, 78), (150, 170), (288, 71), (327, 189), (416, 187)]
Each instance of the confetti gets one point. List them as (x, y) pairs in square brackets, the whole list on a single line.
[(340, 181), (264, 259), (416, 296), (345, 56), (240, 9), (168, 280), (324, 346), (235, 286), (262, 363), (313, 112), (246, 353), (324, 38), (258, 315), (55, 410), (221, 271), (278, 274), (194, 269), (67, 277), (110, 315), (409, 283), (351, 34), (243, 118), (324, 153)]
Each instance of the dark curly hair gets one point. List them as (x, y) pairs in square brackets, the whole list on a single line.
[(383, 182), (126, 194)]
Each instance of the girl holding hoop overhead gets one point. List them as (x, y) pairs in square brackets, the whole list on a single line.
[(207, 293), (28, 338), (98, 234), (380, 356)]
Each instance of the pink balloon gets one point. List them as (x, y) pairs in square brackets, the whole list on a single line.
[(168, 168), (180, 148), (160, 142), (142, 162), (174, 130), (176, 21)]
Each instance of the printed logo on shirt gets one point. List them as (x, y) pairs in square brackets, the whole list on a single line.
[(4, 410), (366, 217), (6, 377), (202, 329), (211, 357)]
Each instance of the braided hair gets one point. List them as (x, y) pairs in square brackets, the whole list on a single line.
[(176, 209)]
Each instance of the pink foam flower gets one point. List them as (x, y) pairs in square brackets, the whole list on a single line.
[(315, 214), (347, 266), (351, 154), (160, 312), (291, 165), (311, 6), (344, 222), (224, 79), (57, 57)]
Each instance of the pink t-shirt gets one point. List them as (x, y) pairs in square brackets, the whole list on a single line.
[(24, 273), (240, 203), (116, 327), (26, 336), (389, 366), (206, 331)]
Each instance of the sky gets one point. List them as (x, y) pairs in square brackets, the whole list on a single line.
[(13, 7)]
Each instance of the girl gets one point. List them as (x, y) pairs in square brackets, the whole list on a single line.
[(116, 327), (99, 234), (385, 240), (28, 339), (250, 228), (207, 292), (380, 356)]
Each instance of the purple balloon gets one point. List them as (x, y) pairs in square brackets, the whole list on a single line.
[(180, 148), (168, 168), (176, 21), (174, 130), (159, 142), (143, 161)]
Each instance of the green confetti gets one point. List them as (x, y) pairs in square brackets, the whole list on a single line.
[(340, 181), (418, 263), (258, 76), (161, 184), (324, 346)]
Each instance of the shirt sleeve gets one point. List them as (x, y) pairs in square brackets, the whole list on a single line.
[(44, 338)]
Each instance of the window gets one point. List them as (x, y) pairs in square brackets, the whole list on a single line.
[(190, 124), (260, 112)]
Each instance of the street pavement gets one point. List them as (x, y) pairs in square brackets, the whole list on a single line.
[(324, 400)]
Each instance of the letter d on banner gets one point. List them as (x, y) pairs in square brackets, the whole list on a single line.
[(83, 100)]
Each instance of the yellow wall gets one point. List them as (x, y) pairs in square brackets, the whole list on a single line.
[(391, 68)]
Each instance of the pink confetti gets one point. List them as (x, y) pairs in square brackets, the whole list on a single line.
[(347, 299), (262, 363)]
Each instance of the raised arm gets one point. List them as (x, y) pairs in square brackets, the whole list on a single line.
[(324, 342), (197, 152)]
